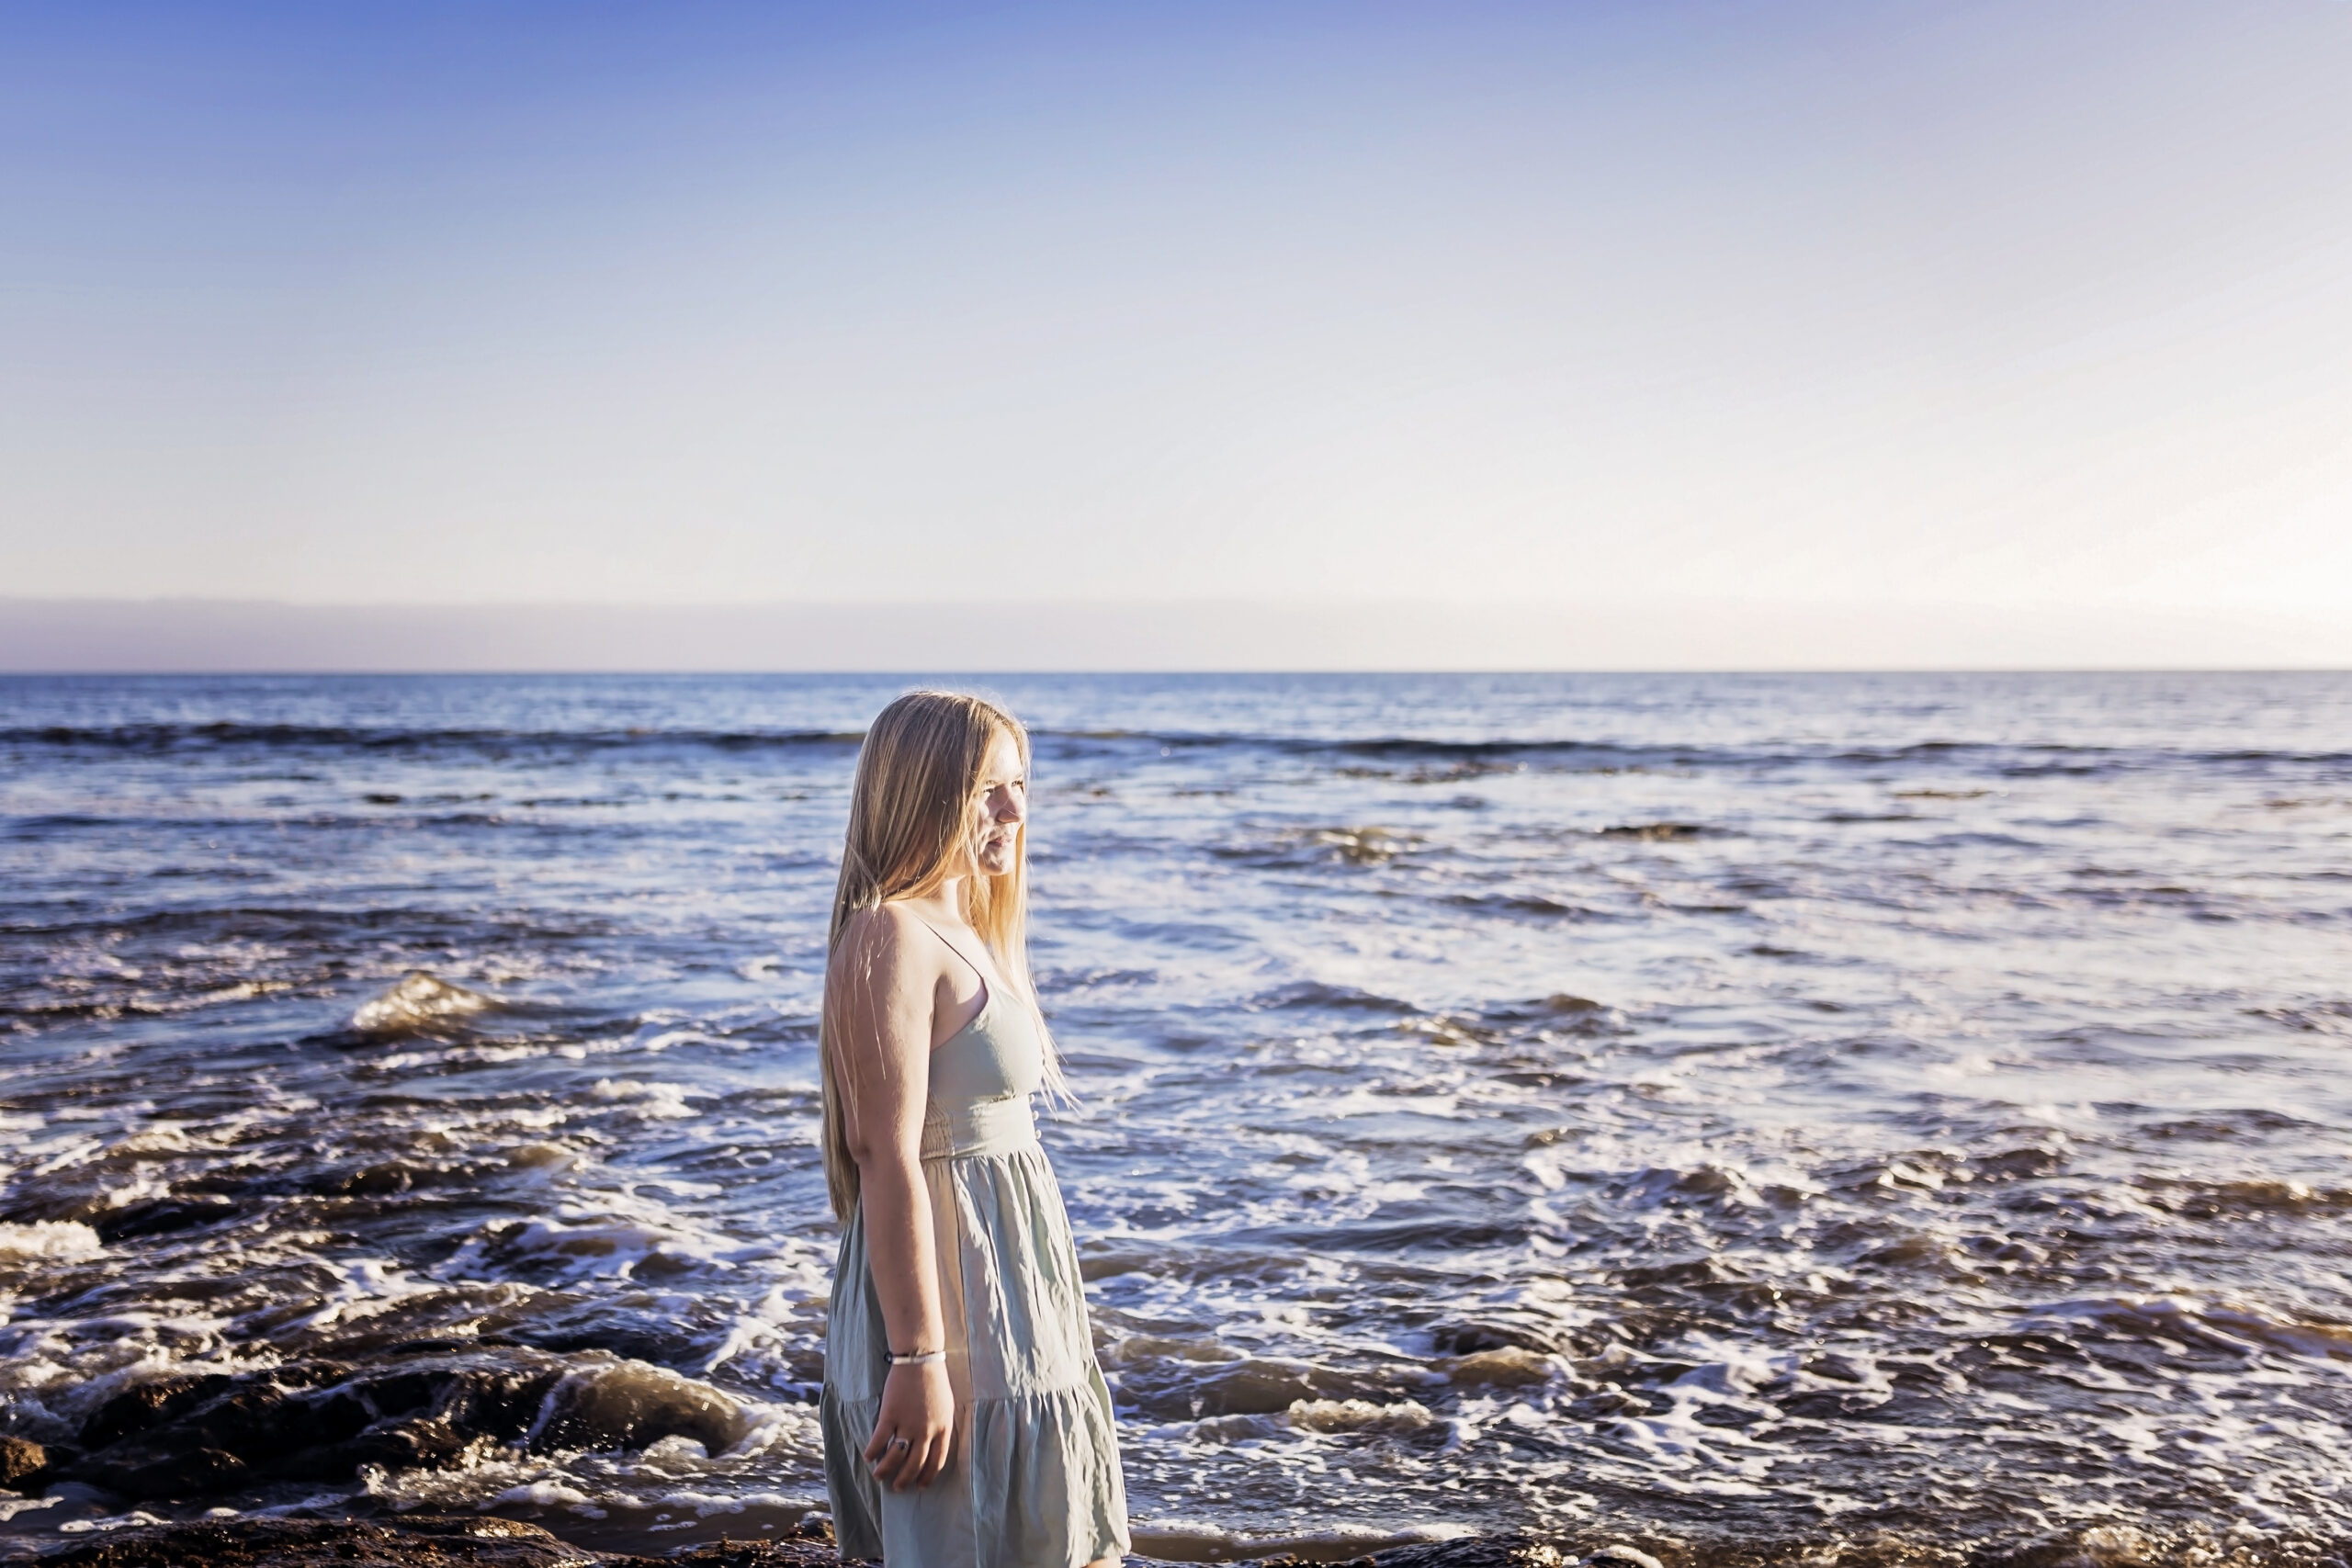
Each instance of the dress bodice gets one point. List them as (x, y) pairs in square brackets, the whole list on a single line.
[(982, 1079)]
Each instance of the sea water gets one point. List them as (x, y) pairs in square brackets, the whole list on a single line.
[(1817, 1108)]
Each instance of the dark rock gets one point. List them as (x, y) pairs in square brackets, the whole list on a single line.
[(149, 1476), (1474, 1337), (448, 1347), (413, 1542), (429, 1443), (567, 1326), (186, 1438), (1476, 1551), (21, 1463), (161, 1217), (312, 1543), (146, 1405), (1655, 832), (632, 1404), (742, 1554), (1606, 1404)]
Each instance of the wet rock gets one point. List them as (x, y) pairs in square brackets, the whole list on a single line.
[(1476, 1336), (162, 1216), (1655, 832), (1606, 1404), (429, 1443), (312, 1543), (740, 1554), (412, 1543), (631, 1404), (179, 1439), (22, 1462), (145, 1404), (1477, 1551), (1508, 1366), (149, 1476)]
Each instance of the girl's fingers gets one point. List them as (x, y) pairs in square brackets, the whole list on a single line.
[(919, 1464), (923, 1463), (936, 1462), (910, 1471), (893, 1461), (918, 1461)]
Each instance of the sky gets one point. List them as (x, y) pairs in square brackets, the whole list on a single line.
[(2031, 307)]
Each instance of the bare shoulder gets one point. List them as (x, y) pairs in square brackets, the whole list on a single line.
[(881, 943)]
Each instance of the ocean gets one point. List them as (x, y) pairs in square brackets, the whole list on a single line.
[(1825, 1108)]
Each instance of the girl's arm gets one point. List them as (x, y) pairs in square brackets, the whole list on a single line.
[(886, 1071)]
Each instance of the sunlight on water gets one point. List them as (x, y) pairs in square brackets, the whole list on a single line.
[(1753, 1106)]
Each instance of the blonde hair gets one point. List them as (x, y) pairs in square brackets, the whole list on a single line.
[(909, 811)]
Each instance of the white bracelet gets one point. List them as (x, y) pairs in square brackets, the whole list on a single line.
[(913, 1358)]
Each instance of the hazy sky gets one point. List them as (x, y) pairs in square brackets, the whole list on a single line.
[(2017, 303)]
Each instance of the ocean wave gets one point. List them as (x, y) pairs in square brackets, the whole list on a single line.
[(226, 735), (1474, 757), (1441, 759), (420, 1001)]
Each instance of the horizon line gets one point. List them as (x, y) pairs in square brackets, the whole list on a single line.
[(621, 672), (1624, 634)]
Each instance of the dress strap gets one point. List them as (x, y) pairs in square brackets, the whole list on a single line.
[(987, 987)]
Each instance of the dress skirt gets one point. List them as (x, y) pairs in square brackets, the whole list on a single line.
[(1032, 1478)]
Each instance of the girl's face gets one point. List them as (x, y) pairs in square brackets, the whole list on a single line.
[(1000, 806)]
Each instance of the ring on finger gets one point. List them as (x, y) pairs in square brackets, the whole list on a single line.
[(898, 1443)]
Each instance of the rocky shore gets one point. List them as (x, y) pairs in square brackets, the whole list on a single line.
[(481, 1542), (179, 1442), (428, 1404)]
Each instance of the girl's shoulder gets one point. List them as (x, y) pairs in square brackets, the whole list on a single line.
[(880, 935)]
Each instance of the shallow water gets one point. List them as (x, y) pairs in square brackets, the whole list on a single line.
[(1815, 1106)]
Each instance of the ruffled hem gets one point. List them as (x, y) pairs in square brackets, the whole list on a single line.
[(1035, 1481), (1036, 1485)]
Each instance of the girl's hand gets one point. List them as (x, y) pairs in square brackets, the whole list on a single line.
[(918, 1405)]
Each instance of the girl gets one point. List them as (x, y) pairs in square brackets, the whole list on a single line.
[(965, 1423)]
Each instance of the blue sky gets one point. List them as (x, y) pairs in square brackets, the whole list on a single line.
[(2015, 304)]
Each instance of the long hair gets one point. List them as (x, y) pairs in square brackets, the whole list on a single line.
[(909, 811)]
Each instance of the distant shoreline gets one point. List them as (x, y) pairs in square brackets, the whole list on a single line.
[(1648, 636)]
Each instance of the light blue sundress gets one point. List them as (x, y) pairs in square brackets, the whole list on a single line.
[(1032, 1481)]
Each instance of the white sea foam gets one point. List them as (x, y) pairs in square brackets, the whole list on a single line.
[(663, 1101), (48, 1238), (136, 1518), (544, 1491)]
